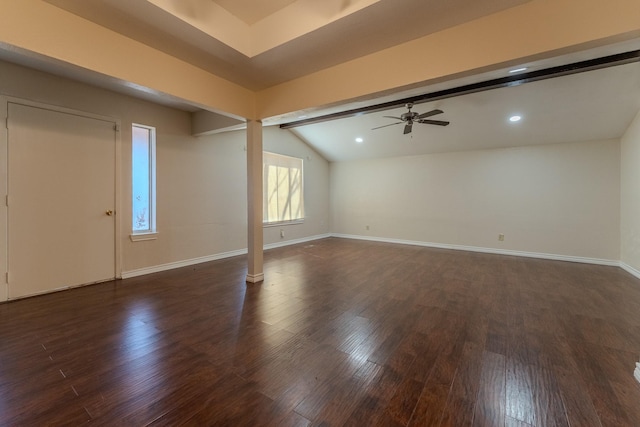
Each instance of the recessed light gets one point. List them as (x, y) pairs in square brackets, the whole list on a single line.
[(518, 70), (515, 118), (359, 140)]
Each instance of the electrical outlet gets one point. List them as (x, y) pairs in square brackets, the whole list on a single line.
[(501, 237)]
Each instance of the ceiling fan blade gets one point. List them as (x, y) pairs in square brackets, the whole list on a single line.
[(434, 122), (391, 117), (384, 126), (407, 129), (430, 113)]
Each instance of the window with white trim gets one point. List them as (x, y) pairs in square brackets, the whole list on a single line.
[(283, 189), (143, 179)]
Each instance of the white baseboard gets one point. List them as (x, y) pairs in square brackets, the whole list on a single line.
[(255, 278), (185, 263), (637, 372), (215, 257), (295, 241), (626, 267), (179, 264), (555, 257)]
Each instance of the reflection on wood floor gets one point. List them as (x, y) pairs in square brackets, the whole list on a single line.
[(341, 333)]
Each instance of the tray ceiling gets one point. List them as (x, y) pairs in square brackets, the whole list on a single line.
[(290, 39), (251, 11)]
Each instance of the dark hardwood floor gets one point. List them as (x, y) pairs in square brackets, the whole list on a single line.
[(341, 333)]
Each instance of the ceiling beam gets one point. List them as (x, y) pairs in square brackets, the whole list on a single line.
[(533, 76)]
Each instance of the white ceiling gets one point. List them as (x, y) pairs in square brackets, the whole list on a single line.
[(587, 106)]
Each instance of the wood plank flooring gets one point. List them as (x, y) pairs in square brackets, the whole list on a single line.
[(341, 333)]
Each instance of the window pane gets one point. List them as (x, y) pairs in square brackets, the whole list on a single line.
[(271, 182), (296, 193), (141, 178), (283, 188), (284, 213)]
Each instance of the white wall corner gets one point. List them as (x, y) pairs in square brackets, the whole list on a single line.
[(626, 267), (637, 372)]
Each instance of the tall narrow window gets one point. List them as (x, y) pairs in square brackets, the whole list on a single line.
[(143, 179), (283, 189)]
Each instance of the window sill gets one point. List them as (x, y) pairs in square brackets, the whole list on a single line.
[(141, 237), (281, 223)]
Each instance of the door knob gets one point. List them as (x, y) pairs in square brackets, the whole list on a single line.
[(109, 212)]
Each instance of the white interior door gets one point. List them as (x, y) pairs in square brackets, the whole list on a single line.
[(61, 186)]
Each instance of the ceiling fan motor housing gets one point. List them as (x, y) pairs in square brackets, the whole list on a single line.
[(409, 116)]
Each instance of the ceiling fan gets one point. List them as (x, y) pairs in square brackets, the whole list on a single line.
[(411, 117)]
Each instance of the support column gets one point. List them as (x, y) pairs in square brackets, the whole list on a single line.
[(254, 201)]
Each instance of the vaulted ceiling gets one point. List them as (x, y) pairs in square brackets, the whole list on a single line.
[(593, 105)]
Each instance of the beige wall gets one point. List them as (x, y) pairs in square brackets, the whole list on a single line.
[(201, 181), (316, 183), (630, 196), (316, 187), (202, 195), (555, 199)]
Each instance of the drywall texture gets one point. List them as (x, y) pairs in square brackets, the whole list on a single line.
[(201, 181), (555, 199), (630, 196)]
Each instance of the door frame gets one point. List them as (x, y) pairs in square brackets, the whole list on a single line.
[(4, 163)]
